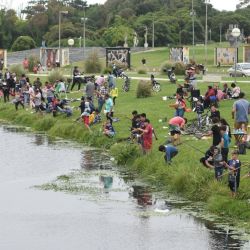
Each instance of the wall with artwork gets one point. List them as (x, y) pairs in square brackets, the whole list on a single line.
[(179, 54), (246, 53), (3, 59), (118, 56), (225, 56)]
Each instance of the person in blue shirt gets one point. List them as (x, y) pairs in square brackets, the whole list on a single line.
[(225, 141), (170, 152)]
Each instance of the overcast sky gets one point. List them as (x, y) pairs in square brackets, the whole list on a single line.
[(218, 4)]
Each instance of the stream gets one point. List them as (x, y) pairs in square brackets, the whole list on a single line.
[(59, 195)]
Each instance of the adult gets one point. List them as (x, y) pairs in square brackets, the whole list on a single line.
[(215, 131), (240, 111), (170, 152), (209, 96), (101, 96), (111, 80), (90, 88), (76, 78)]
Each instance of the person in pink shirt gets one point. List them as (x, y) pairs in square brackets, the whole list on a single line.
[(99, 81), (175, 125)]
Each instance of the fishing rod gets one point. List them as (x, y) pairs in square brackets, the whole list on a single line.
[(193, 147)]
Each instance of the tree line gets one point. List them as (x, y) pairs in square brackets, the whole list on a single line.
[(115, 21)]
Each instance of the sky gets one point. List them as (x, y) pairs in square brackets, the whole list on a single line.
[(218, 4)]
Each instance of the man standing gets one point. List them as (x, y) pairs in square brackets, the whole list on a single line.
[(240, 111), (90, 88)]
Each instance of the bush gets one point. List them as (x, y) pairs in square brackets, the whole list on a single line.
[(118, 64), (55, 75), (142, 71), (107, 70), (33, 60), (93, 64), (23, 43), (180, 68), (165, 66), (144, 89), (17, 69)]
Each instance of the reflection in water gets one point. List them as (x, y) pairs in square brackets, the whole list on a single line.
[(107, 182), (94, 159), (143, 195), (39, 139)]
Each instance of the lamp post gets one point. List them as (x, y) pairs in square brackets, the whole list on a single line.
[(220, 31), (206, 2), (153, 31), (59, 46), (235, 33), (84, 19), (193, 15)]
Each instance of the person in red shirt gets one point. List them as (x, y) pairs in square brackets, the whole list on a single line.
[(147, 135), (208, 96)]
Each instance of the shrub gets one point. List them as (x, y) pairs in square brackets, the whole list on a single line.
[(55, 75), (107, 70), (142, 71), (144, 89), (118, 64), (93, 64), (23, 43), (33, 60), (165, 66), (17, 69), (180, 68)]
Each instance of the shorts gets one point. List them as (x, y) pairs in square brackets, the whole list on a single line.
[(218, 172)]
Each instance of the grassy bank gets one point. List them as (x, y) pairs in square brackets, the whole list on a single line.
[(185, 177)]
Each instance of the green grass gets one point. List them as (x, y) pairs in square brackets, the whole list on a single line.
[(185, 177)]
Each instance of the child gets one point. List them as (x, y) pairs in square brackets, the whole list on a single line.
[(108, 129), (199, 109), (225, 141), (233, 166), (218, 164), (85, 115), (18, 99), (114, 94)]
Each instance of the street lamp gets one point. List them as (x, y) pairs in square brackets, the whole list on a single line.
[(206, 2), (153, 31), (235, 33), (83, 20), (60, 13), (220, 31), (192, 13)]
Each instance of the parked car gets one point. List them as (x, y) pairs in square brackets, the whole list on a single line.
[(242, 69)]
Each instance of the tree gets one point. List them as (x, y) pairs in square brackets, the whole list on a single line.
[(23, 43)]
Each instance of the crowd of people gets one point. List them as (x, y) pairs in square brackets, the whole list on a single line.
[(101, 93)]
